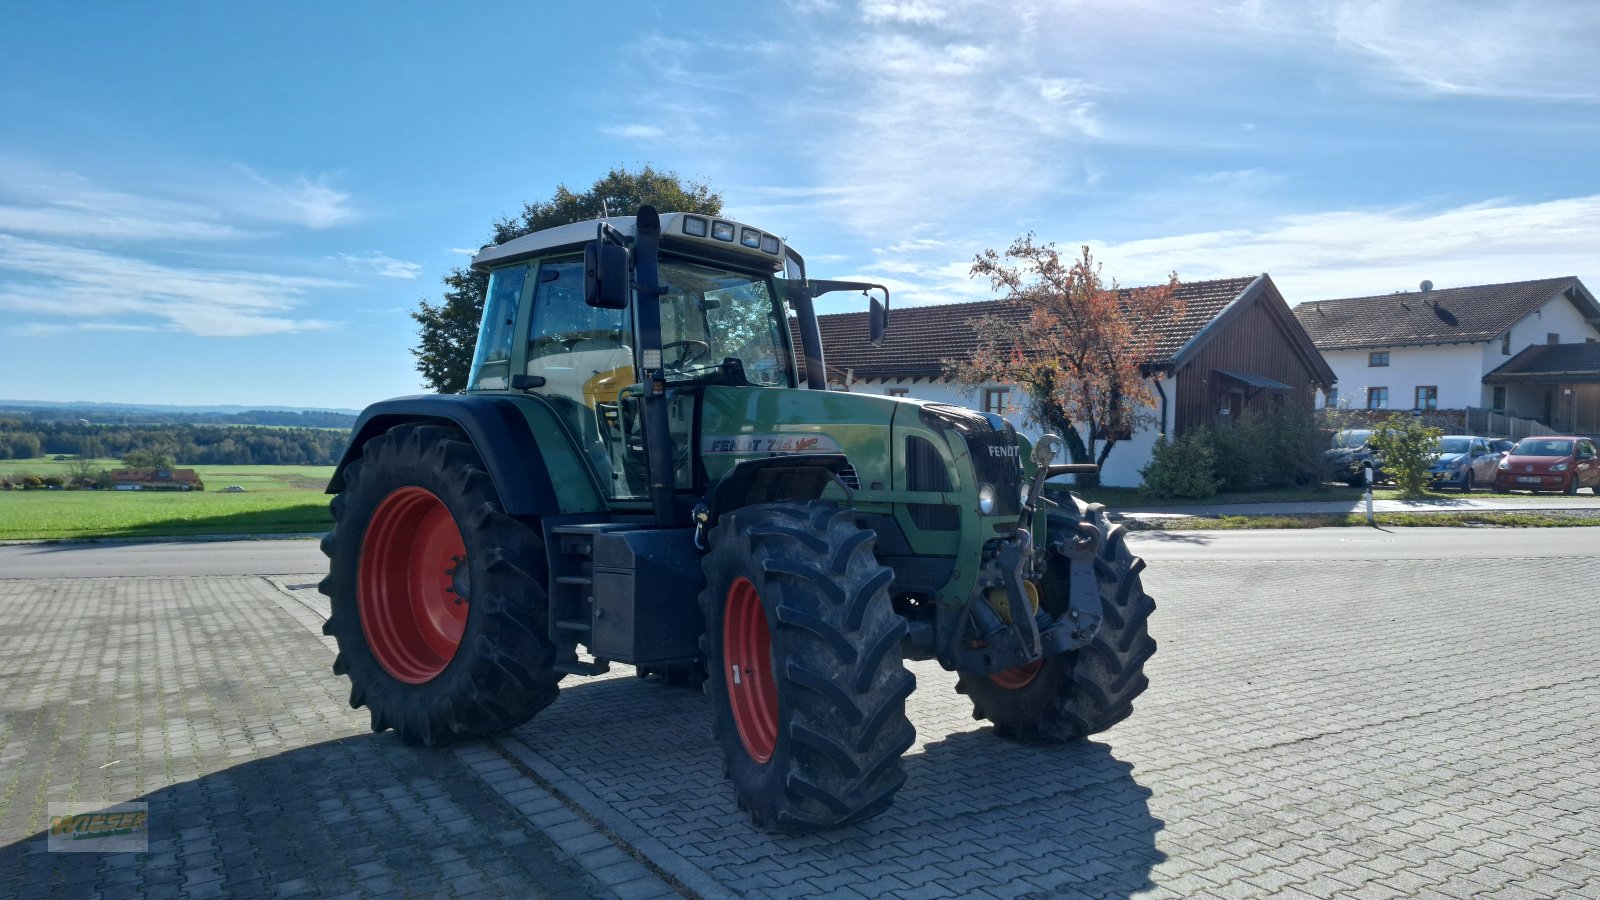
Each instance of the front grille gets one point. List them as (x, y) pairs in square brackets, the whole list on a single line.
[(992, 444), (995, 456)]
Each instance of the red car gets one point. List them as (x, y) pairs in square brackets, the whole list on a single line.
[(1550, 464)]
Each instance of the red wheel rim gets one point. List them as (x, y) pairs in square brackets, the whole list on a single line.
[(747, 652), (1018, 676), (410, 613)]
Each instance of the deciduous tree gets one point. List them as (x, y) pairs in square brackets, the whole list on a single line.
[(447, 330), (1077, 354)]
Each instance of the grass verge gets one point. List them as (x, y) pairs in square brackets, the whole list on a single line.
[(1561, 518), (50, 515), (1130, 498), (276, 500)]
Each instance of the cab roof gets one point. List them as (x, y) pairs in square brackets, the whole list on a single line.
[(676, 229)]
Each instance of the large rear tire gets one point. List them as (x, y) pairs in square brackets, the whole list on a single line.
[(438, 597), (1087, 690), (806, 676)]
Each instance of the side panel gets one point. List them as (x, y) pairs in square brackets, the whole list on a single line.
[(528, 453)]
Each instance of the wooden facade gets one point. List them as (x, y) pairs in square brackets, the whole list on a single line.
[(1257, 337)]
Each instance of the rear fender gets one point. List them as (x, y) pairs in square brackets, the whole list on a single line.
[(498, 430)]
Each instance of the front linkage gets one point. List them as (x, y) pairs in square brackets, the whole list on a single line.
[(983, 639)]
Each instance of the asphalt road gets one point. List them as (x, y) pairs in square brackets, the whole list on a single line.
[(1366, 544), (287, 557), (125, 560)]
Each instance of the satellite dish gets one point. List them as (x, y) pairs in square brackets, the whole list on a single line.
[(1426, 285)]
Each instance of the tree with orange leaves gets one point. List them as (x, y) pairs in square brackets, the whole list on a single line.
[(1078, 351)]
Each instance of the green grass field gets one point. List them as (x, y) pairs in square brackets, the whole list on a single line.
[(277, 500)]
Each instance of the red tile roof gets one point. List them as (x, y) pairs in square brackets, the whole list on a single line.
[(1475, 314), (921, 338)]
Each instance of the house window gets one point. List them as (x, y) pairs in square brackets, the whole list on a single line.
[(897, 392), (1378, 358), (994, 399), (1333, 398), (1377, 398), (1427, 397), (1500, 397), (1552, 338), (1591, 340), (1505, 344)]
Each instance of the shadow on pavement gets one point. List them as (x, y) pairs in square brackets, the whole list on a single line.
[(361, 814), (976, 811), (1169, 537)]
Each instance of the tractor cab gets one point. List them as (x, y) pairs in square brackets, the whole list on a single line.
[(560, 322)]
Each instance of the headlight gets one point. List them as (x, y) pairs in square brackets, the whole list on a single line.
[(1023, 494), (1559, 467), (986, 498), (1504, 464)]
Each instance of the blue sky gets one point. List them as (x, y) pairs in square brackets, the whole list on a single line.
[(222, 203)]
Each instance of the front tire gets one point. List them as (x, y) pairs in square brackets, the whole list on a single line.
[(438, 597), (805, 674), (1084, 691)]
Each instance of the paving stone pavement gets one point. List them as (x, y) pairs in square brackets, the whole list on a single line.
[(204, 699), (1321, 729)]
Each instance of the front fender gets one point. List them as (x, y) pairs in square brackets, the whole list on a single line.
[(498, 430)]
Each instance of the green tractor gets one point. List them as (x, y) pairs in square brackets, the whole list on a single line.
[(645, 469)]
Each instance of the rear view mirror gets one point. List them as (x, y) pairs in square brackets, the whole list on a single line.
[(877, 323), (605, 276)]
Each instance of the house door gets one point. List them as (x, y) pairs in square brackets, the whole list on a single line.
[(1549, 408)]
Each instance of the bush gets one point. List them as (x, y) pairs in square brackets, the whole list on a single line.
[(1269, 450), (1407, 447), (1183, 468)]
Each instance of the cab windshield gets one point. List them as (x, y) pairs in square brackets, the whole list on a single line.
[(723, 327)]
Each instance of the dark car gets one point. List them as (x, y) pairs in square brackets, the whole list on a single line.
[(1550, 463), (1350, 454), (1463, 461), (1501, 446)]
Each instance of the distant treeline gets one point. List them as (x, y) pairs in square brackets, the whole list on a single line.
[(183, 444), (92, 415)]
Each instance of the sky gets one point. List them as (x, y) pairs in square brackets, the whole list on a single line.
[(207, 203)]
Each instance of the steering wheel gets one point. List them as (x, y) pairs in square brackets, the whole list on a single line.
[(689, 351)]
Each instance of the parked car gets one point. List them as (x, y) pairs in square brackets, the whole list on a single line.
[(1464, 461), (1351, 453), (1550, 463)]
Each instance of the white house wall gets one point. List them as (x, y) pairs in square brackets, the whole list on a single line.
[(1455, 369), (1122, 466), (1557, 317)]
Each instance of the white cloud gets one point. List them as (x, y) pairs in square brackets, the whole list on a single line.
[(382, 264), (1358, 252), (1310, 256), (227, 204), (635, 132), (1492, 47), (307, 202), (91, 285)]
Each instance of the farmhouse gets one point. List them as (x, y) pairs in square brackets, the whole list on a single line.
[(1516, 348), (156, 480), (1237, 347)]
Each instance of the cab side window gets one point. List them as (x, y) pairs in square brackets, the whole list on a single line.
[(491, 363)]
